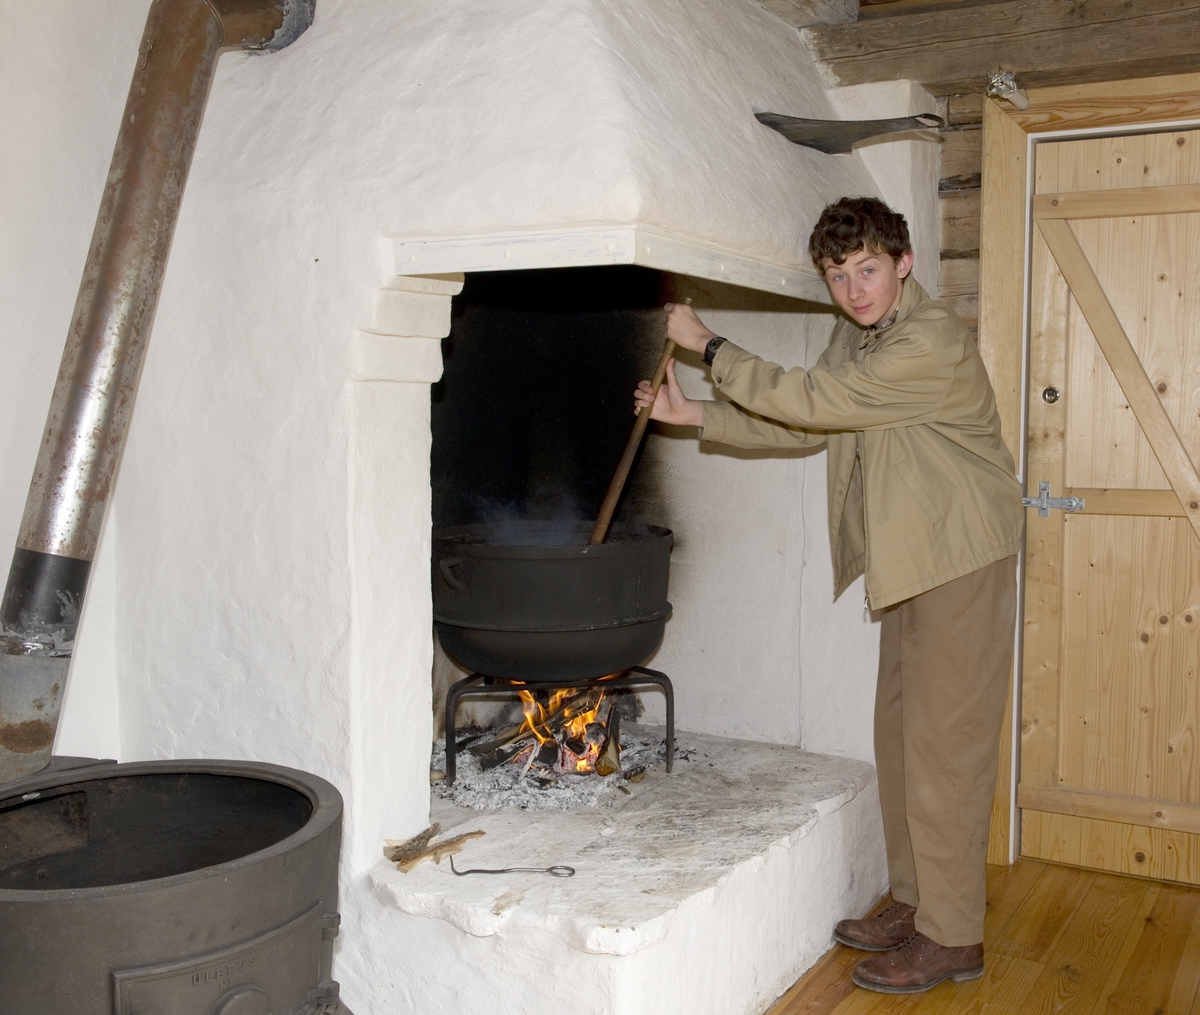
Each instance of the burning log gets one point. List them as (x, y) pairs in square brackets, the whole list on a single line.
[(574, 732), (501, 755), (557, 735), (550, 726), (513, 734)]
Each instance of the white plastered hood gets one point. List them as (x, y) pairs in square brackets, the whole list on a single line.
[(541, 133)]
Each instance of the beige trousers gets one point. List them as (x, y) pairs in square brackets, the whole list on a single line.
[(944, 663)]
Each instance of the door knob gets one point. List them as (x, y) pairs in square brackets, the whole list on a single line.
[(1050, 395)]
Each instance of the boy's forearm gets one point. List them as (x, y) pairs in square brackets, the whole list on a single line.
[(903, 389), (725, 423)]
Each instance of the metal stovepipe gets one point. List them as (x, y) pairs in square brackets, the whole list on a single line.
[(105, 347)]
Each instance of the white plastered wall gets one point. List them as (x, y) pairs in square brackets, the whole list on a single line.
[(64, 74), (905, 166), (261, 589)]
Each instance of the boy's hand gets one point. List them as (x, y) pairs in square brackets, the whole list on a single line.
[(686, 329), (672, 405)]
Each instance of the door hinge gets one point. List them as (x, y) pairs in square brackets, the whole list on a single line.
[(330, 922), (1044, 502)]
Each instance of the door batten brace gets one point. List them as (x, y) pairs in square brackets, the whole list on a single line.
[(1044, 502)]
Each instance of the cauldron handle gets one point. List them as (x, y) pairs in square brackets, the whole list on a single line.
[(446, 563)]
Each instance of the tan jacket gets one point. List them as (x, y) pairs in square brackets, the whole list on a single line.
[(921, 485)]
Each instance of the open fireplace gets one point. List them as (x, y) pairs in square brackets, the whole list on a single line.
[(529, 420)]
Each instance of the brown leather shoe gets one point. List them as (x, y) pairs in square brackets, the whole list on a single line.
[(879, 933), (918, 964)]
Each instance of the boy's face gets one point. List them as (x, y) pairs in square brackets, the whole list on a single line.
[(867, 284)]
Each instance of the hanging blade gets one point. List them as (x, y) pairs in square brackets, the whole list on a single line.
[(838, 137)]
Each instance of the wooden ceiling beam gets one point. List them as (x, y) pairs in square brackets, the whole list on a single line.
[(952, 48), (812, 12)]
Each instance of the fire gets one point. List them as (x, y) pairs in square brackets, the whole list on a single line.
[(535, 717), (578, 748)]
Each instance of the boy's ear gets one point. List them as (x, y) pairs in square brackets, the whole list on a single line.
[(904, 264)]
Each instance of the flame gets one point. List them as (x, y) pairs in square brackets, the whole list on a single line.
[(577, 716), (535, 717), (577, 723)]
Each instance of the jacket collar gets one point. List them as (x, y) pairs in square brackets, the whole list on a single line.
[(911, 294)]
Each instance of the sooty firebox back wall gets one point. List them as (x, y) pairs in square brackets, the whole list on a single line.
[(535, 404)]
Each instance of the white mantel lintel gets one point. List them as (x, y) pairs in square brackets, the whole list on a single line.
[(603, 244)]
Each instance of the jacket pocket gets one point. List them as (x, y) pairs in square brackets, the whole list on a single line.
[(919, 493)]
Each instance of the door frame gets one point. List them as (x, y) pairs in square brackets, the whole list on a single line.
[(1005, 242)]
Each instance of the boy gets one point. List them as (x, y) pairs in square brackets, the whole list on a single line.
[(923, 500)]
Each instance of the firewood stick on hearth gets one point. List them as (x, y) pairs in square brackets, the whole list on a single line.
[(401, 849), (439, 852), (408, 853)]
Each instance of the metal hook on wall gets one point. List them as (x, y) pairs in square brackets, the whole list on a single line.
[(1003, 85)]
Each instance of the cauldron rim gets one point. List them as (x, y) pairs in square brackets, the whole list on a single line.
[(450, 540), (323, 795)]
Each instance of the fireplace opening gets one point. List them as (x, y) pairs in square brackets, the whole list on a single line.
[(535, 402), (529, 421)]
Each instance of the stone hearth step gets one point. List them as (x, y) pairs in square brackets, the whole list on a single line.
[(707, 892)]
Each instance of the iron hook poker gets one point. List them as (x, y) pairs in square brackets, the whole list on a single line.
[(557, 870)]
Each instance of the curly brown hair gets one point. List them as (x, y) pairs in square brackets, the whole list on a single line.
[(851, 224)]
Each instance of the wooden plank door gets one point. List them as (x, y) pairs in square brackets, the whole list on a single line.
[(1110, 762)]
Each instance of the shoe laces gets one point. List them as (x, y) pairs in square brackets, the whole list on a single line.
[(893, 910)]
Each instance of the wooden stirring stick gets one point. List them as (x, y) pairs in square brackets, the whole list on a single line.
[(604, 519)]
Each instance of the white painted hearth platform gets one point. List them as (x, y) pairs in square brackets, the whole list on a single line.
[(708, 891)]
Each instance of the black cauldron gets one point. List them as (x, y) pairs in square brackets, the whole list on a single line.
[(532, 601)]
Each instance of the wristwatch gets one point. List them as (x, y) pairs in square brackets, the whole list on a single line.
[(710, 350)]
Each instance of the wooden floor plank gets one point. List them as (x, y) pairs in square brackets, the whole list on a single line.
[(1187, 978), (1007, 888), (1133, 935), (823, 987), (1036, 926), (868, 1002), (1059, 941), (1004, 987), (1076, 968), (1148, 977)]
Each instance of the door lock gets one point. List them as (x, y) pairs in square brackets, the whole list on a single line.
[(1044, 502)]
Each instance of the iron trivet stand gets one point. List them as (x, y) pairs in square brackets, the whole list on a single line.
[(479, 683)]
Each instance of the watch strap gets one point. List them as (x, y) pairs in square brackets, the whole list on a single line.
[(710, 350)]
